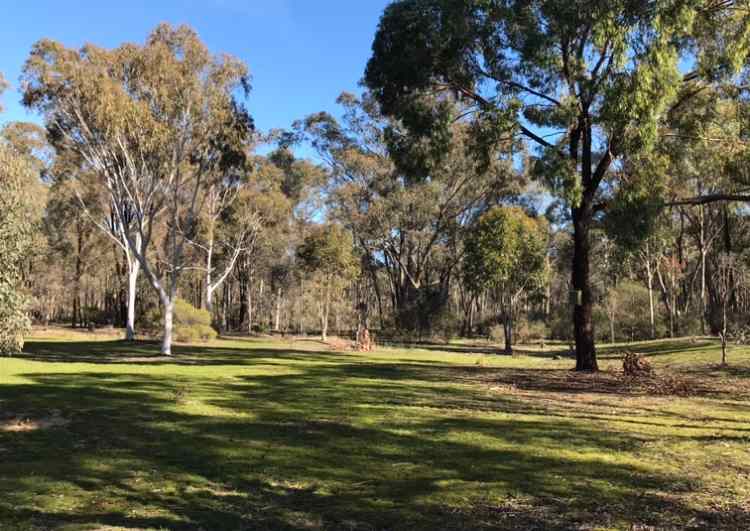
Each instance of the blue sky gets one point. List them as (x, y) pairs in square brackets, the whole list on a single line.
[(301, 53)]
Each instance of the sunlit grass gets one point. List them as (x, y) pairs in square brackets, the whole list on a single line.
[(282, 434)]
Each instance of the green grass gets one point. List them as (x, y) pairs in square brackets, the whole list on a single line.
[(246, 434)]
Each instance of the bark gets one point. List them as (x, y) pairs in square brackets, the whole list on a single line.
[(508, 330), (166, 345), (277, 317), (209, 270), (249, 304), (650, 278), (133, 270), (325, 313), (77, 313), (582, 313)]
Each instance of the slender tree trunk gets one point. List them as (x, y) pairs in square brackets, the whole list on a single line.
[(225, 308), (133, 270), (77, 313), (166, 345), (703, 290), (325, 313), (277, 316), (209, 296), (583, 296), (650, 275), (508, 329), (249, 302)]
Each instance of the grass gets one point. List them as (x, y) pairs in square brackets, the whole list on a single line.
[(250, 434)]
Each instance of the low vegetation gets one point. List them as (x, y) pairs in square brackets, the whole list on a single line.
[(97, 433)]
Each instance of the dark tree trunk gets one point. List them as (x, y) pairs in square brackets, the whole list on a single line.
[(583, 296)]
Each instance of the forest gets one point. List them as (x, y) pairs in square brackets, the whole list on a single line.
[(552, 192)]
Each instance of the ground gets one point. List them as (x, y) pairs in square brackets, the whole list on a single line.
[(262, 434)]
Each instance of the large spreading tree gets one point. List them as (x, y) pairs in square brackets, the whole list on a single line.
[(159, 124), (586, 82)]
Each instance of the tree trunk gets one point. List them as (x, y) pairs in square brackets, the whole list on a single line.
[(650, 275), (325, 313), (133, 270), (166, 345), (249, 304), (508, 330), (209, 288), (582, 313), (277, 317)]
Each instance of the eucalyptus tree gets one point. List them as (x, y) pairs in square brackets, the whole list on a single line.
[(327, 252), (20, 212), (158, 124), (586, 82), (407, 219), (506, 254)]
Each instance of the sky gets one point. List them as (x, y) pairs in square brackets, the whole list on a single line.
[(301, 53)]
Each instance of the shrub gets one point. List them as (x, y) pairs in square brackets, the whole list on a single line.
[(561, 324), (14, 322), (445, 327), (496, 333), (190, 325), (527, 331)]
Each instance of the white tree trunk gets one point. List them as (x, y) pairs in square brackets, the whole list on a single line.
[(250, 303), (277, 319), (133, 269), (166, 345), (209, 287)]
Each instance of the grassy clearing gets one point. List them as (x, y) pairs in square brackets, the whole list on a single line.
[(247, 434)]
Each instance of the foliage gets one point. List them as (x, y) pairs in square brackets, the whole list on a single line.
[(601, 75), (505, 256), (18, 220), (505, 251), (328, 250), (191, 324), (159, 124), (408, 217)]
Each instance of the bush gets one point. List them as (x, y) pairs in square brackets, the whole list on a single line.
[(496, 334), (191, 324), (445, 327), (561, 322), (14, 322), (526, 331)]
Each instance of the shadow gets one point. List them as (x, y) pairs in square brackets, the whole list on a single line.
[(321, 449), (148, 352)]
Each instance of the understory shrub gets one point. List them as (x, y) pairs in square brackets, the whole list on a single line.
[(496, 334), (191, 324), (527, 331)]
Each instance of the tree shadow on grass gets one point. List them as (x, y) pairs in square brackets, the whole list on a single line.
[(329, 447), (147, 352)]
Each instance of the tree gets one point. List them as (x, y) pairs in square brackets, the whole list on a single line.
[(505, 254), (598, 75), (406, 220), (327, 253), (19, 184), (158, 124)]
